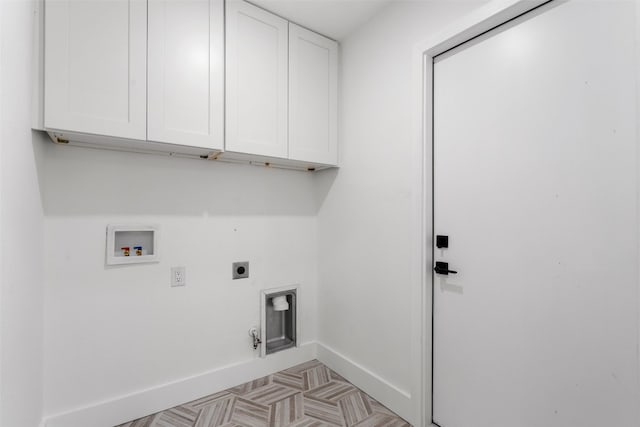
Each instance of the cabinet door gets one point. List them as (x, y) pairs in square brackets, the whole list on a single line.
[(256, 81), (313, 97), (95, 66), (186, 80)]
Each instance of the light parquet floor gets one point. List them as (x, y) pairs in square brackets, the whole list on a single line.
[(306, 395)]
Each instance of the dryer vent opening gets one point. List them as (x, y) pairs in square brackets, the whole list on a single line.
[(280, 320)]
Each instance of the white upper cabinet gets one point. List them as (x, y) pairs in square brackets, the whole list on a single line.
[(186, 72), (95, 67), (193, 77), (313, 97), (256, 73), (282, 84)]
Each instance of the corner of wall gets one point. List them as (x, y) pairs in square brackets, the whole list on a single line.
[(396, 399), (21, 223)]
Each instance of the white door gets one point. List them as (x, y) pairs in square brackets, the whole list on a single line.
[(256, 85), (313, 97), (95, 67), (535, 185), (186, 72)]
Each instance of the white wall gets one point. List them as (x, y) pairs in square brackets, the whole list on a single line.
[(366, 241), (637, 63), (21, 227), (111, 331), (114, 331)]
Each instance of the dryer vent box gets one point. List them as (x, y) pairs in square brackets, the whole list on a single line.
[(279, 320)]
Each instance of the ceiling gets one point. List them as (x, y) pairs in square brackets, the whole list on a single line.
[(332, 18)]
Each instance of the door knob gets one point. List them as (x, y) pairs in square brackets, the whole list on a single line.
[(443, 268)]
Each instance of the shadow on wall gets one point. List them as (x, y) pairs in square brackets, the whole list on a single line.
[(85, 181), (324, 180)]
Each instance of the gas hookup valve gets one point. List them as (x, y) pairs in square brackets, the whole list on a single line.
[(253, 333)]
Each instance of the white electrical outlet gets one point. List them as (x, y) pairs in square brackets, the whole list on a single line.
[(178, 276)]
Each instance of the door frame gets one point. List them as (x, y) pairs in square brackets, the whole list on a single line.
[(482, 20)]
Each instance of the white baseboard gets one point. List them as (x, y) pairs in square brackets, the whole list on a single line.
[(139, 404), (394, 398)]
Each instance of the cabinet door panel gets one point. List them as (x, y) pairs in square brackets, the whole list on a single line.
[(95, 66), (257, 50), (313, 85), (186, 92)]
